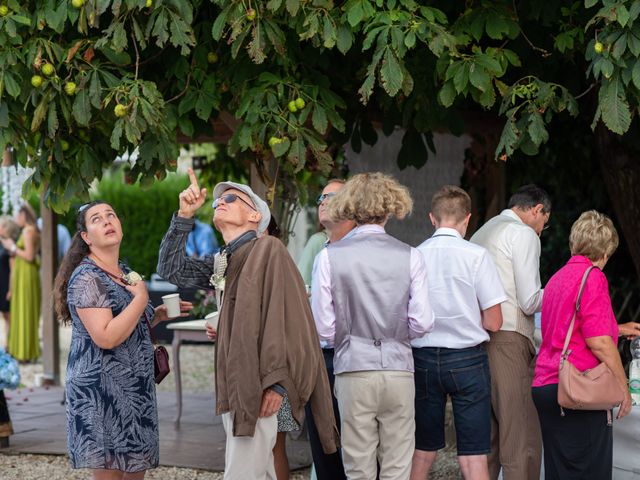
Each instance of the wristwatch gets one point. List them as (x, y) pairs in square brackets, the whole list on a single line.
[(14, 247)]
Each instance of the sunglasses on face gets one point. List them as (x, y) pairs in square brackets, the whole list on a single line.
[(324, 196), (230, 198)]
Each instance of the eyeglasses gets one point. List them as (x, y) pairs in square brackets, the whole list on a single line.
[(323, 197), (230, 198)]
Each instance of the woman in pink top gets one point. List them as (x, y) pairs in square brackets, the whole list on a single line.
[(579, 444)]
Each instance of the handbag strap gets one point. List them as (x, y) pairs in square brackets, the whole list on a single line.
[(115, 277), (575, 312)]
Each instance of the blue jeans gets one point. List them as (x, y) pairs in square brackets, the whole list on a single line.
[(464, 375)]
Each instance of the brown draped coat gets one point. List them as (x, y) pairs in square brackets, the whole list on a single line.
[(266, 335)]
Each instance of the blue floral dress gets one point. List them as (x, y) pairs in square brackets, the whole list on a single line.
[(112, 415)]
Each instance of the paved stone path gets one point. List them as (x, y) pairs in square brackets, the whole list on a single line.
[(39, 422)]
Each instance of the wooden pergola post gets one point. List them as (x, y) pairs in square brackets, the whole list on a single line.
[(50, 332)]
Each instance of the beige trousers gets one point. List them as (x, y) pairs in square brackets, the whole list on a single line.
[(250, 458), (378, 423), (516, 441)]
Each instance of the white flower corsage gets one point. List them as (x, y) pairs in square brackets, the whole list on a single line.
[(217, 281), (131, 278)]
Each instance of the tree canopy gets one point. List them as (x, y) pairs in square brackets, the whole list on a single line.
[(82, 81)]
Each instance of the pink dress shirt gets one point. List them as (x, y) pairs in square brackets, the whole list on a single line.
[(595, 319), (420, 313)]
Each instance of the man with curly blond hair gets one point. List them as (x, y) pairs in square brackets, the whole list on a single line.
[(370, 299)]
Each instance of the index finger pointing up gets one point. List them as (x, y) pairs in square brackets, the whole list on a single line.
[(193, 179)]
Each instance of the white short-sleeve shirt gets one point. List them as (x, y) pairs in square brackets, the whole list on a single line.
[(463, 281)]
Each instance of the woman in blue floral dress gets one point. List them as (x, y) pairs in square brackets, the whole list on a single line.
[(112, 417)]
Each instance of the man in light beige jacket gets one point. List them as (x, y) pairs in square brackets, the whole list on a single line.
[(513, 240)]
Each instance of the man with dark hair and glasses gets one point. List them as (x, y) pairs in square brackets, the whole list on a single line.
[(513, 241), (268, 360)]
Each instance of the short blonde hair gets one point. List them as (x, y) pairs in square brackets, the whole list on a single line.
[(451, 202), (370, 198), (593, 236), (11, 227)]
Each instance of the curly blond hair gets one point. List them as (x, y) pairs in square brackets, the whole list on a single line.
[(593, 235), (370, 198)]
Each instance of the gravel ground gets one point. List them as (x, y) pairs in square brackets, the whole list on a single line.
[(196, 363)]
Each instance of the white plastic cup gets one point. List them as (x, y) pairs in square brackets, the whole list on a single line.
[(212, 319), (172, 301)]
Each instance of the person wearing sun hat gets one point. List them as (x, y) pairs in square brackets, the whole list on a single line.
[(270, 360)]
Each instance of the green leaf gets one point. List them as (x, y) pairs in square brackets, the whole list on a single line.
[(279, 149), (181, 34), (119, 58), (461, 78), (329, 33), (186, 126), (590, 3), (82, 108), (292, 7), (95, 90), (391, 73), (622, 15), (52, 120), (319, 119), (13, 88), (119, 39), (479, 77), (536, 129), (355, 14), (366, 89), (116, 135), (344, 39), (606, 67), (508, 139), (410, 40), (39, 113), (635, 74), (615, 108), (219, 23), (204, 106), (297, 155), (447, 94), (496, 27), (161, 29), (21, 19)]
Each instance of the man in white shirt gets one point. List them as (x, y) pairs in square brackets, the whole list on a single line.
[(369, 298), (465, 293), (513, 240)]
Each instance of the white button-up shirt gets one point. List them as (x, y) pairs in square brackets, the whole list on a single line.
[(515, 248), (463, 280), (420, 315)]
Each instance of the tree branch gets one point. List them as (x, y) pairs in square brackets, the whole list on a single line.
[(543, 52), (135, 46), (589, 88)]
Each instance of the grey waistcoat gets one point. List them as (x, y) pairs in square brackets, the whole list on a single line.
[(370, 284)]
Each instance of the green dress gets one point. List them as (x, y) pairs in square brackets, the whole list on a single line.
[(24, 343)]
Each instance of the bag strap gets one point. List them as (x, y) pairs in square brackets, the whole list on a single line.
[(115, 277), (575, 312)]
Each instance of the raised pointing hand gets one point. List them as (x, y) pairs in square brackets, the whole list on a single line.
[(192, 197)]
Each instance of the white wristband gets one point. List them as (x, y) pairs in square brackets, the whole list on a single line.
[(14, 247)]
